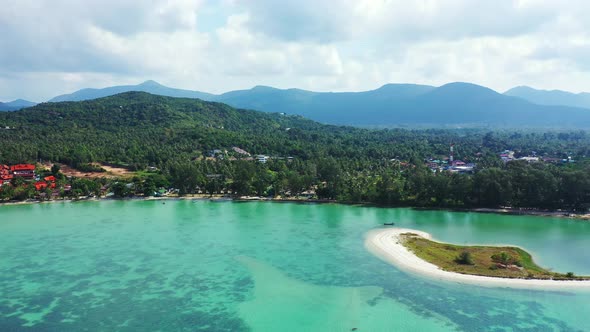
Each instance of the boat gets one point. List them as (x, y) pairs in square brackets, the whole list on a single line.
[(388, 224)]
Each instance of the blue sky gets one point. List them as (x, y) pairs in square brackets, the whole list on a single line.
[(54, 47)]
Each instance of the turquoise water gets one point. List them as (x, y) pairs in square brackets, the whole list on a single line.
[(228, 266)]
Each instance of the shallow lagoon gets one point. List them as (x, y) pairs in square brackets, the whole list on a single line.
[(229, 266)]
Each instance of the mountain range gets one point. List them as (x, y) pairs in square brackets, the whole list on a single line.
[(147, 86), (393, 105), (16, 105), (551, 97), (451, 105)]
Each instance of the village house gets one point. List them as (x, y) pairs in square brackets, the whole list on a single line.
[(456, 163), (529, 159), (5, 174), (26, 171), (50, 178), (433, 165), (216, 153), (262, 159), (40, 185), (507, 155), (463, 169), (48, 182)]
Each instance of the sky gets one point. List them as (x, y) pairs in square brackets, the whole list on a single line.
[(52, 47)]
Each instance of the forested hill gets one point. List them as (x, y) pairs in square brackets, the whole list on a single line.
[(137, 127), (386, 166), (16, 105), (392, 105), (147, 86)]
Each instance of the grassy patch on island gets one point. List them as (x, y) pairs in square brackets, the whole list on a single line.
[(505, 262)]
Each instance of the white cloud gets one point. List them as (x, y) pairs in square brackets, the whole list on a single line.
[(337, 20), (59, 46)]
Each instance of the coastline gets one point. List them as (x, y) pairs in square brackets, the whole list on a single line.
[(195, 197), (385, 244), (507, 211), (515, 212)]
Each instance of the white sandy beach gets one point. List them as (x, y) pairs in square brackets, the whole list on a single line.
[(385, 244)]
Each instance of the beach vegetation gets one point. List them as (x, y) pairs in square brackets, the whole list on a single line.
[(505, 262), (505, 259), (464, 258)]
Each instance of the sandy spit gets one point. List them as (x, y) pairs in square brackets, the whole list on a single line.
[(385, 244)]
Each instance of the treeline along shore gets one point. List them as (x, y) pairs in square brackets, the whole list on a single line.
[(174, 146)]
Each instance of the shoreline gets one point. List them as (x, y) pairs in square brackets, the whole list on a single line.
[(170, 198), (515, 212), (385, 244), (505, 211)]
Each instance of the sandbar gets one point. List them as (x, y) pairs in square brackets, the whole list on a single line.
[(385, 243)]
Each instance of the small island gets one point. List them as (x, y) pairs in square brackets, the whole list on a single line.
[(490, 261), (491, 266)]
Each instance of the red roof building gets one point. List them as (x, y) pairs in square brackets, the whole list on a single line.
[(23, 170), (39, 185), (50, 178), (22, 167), (5, 174)]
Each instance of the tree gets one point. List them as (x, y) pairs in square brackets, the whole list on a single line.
[(120, 190), (47, 193), (55, 169), (149, 187), (505, 259), (492, 187), (186, 177), (575, 189), (6, 192), (461, 189), (17, 181), (243, 178), (464, 258), (262, 180), (24, 192)]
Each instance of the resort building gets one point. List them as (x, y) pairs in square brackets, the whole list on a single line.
[(5, 174), (23, 170), (529, 159)]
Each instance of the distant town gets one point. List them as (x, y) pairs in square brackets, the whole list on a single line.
[(449, 164), (239, 153)]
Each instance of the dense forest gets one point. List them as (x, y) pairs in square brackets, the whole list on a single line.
[(191, 144)]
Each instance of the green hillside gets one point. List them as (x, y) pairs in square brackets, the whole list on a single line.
[(137, 127), (179, 137)]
